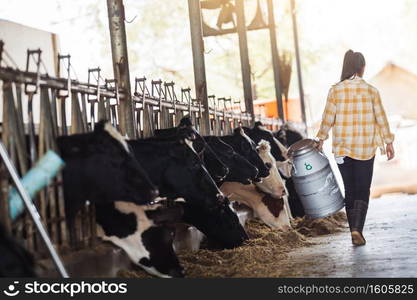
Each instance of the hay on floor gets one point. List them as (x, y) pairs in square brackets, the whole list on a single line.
[(263, 255)]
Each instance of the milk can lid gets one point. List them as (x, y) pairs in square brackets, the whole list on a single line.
[(301, 147)]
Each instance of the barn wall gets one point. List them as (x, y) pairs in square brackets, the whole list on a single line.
[(12, 35)]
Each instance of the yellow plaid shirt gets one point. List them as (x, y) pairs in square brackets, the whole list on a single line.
[(354, 111)]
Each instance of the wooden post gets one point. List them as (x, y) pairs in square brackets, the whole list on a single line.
[(197, 44), (116, 17), (244, 57), (297, 57), (275, 60)]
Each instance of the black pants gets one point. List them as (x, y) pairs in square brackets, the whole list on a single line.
[(357, 178)]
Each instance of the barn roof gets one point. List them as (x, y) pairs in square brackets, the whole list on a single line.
[(398, 89)]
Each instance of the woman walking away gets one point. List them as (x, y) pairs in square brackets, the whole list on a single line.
[(354, 111)]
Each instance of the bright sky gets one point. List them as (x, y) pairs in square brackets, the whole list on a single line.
[(383, 30)]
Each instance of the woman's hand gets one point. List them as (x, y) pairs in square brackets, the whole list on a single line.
[(319, 145), (390, 151)]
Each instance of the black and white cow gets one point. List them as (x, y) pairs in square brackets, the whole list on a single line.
[(99, 167), (288, 136), (266, 198), (144, 232), (243, 145), (15, 260), (217, 169), (279, 145), (177, 170), (259, 132), (240, 170)]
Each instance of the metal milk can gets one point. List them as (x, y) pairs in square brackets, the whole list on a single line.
[(314, 180)]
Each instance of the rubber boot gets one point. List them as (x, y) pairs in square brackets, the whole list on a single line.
[(356, 218)]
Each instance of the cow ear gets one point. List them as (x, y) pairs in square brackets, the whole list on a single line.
[(99, 127), (166, 215), (237, 131), (258, 124), (185, 122)]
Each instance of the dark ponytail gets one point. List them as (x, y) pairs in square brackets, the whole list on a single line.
[(353, 62)]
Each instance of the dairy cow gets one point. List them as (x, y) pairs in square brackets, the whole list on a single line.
[(278, 150), (185, 130), (259, 132), (217, 169), (99, 167), (272, 184), (213, 148), (243, 145), (267, 198), (240, 170), (280, 140), (269, 210), (144, 232), (176, 169), (280, 154), (288, 136)]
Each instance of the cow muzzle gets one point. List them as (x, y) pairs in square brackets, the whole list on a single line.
[(176, 273)]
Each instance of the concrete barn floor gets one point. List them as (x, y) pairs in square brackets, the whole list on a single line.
[(391, 249)]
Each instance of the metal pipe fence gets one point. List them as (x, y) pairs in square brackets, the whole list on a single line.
[(67, 106)]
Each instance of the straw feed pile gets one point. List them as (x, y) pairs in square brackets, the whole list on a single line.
[(328, 225), (263, 255)]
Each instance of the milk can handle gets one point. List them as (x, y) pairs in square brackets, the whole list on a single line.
[(290, 160), (321, 152)]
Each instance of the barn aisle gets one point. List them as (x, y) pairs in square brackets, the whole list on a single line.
[(391, 248)]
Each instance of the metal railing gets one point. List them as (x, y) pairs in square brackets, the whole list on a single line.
[(156, 106)]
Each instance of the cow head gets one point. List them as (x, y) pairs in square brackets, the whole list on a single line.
[(270, 210), (273, 184), (215, 166), (178, 171), (189, 178), (144, 232), (176, 133), (100, 167), (259, 132), (175, 167), (243, 145), (185, 130), (240, 170), (288, 135), (221, 225)]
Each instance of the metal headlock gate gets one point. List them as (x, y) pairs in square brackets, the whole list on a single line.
[(155, 104)]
